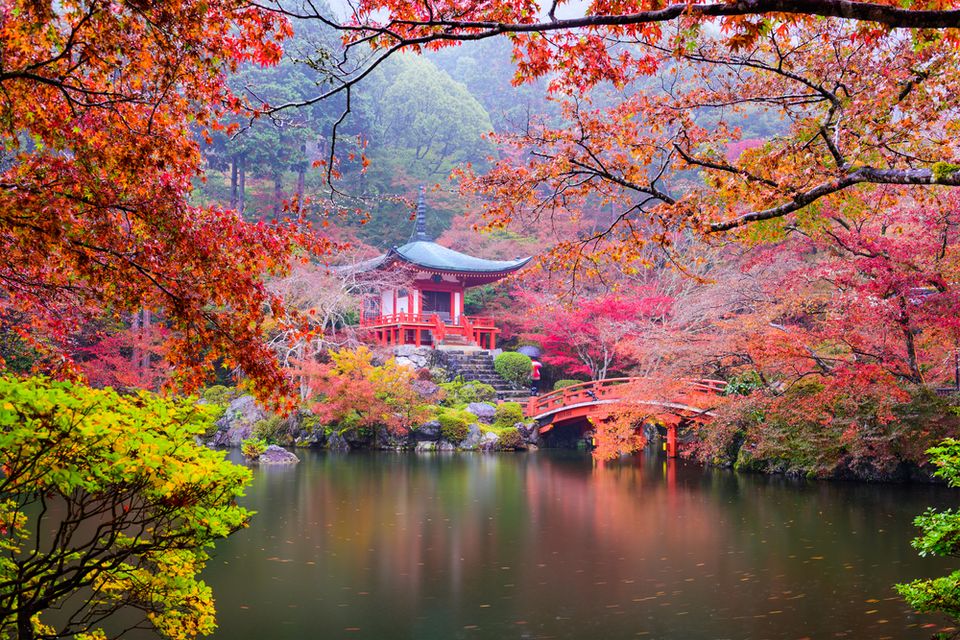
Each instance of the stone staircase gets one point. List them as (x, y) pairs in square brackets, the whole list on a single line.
[(478, 365)]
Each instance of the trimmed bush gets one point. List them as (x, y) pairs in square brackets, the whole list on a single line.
[(252, 448), (563, 384), (460, 392), (509, 439), (513, 367), (507, 415), (454, 424)]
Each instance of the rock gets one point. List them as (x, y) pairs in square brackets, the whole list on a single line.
[(532, 447), (337, 442), (386, 439), (408, 355), (529, 431), (472, 441), (427, 389), (236, 423), (277, 455), (425, 446), (444, 445), (488, 442), (427, 431), (485, 412)]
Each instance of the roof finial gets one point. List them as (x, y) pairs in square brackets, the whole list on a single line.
[(420, 229)]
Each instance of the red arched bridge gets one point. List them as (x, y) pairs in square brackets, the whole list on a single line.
[(685, 400)]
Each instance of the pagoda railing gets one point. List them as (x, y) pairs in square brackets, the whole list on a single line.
[(477, 322), (392, 328), (399, 318)]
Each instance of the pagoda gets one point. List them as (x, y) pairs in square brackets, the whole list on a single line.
[(423, 304)]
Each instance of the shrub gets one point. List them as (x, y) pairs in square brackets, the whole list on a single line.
[(439, 375), (510, 439), (219, 394), (251, 448), (513, 367), (269, 429), (460, 392), (423, 373), (563, 384), (94, 454), (356, 396), (508, 414), (743, 384), (454, 424), (939, 536)]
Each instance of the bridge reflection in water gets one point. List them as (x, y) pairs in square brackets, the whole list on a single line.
[(672, 402), (550, 545)]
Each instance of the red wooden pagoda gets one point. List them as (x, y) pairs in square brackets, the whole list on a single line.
[(427, 308)]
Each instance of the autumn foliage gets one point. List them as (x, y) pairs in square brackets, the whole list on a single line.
[(99, 105), (352, 394)]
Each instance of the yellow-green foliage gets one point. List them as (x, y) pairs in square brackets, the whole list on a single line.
[(563, 384), (508, 414), (454, 424), (940, 536), (459, 393), (269, 429), (219, 394), (943, 170), (127, 464), (253, 448), (509, 439)]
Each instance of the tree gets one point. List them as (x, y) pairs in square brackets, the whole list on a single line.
[(939, 536), (355, 395), (97, 104), (106, 506), (659, 154), (433, 116), (596, 335)]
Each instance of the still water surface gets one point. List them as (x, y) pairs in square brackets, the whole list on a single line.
[(548, 545)]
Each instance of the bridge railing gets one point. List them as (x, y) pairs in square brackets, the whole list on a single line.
[(609, 389)]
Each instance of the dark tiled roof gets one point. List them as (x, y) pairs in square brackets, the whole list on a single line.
[(431, 255)]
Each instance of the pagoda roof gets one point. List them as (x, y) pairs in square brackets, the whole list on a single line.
[(435, 257), (421, 251)]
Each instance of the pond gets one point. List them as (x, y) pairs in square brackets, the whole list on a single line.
[(550, 545)]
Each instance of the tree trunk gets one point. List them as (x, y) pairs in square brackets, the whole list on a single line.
[(136, 329), (145, 352), (233, 181), (301, 180), (277, 195), (243, 184), (912, 360), (24, 626)]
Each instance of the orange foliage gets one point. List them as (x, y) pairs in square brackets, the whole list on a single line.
[(98, 102)]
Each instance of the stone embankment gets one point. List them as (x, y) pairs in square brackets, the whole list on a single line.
[(243, 419)]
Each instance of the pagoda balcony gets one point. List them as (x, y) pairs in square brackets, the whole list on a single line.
[(431, 329)]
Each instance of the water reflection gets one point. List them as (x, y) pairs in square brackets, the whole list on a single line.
[(551, 546)]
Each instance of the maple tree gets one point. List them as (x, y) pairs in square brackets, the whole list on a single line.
[(859, 103), (596, 335), (99, 105), (127, 357), (108, 496), (355, 395)]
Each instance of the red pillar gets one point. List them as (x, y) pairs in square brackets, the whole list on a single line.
[(671, 440)]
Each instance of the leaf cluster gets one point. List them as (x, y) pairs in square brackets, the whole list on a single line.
[(110, 497)]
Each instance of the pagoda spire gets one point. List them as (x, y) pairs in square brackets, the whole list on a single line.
[(420, 229)]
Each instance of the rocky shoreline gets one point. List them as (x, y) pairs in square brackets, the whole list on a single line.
[(243, 419)]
